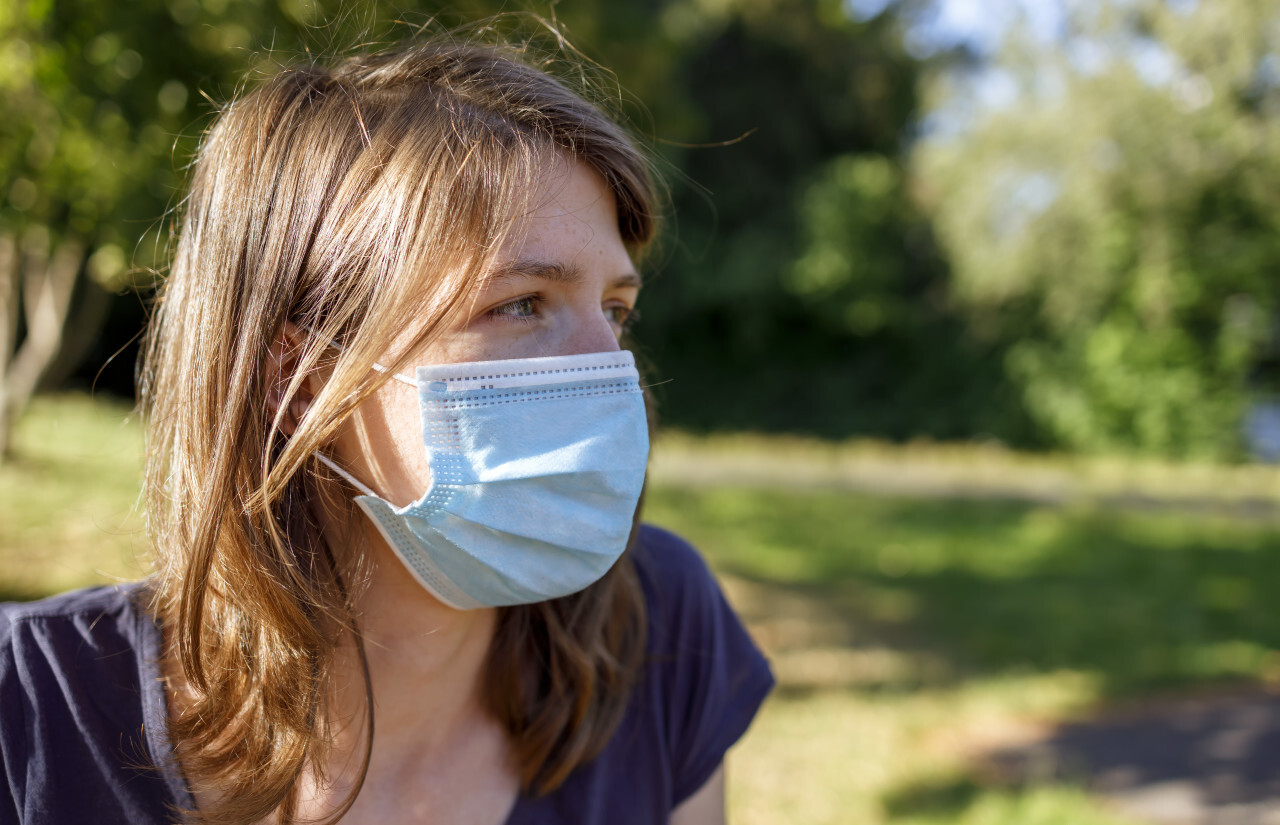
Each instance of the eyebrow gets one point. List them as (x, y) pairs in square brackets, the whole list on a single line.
[(549, 271)]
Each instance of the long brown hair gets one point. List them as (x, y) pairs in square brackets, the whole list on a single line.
[(345, 199)]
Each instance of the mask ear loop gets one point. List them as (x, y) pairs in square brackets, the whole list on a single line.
[(403, 379), (328, 462), (324, 459)]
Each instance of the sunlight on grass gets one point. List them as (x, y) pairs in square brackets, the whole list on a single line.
[(1142, 599), (884, 758), (913, 636), (962, 470), (963, 804), (68, 514)]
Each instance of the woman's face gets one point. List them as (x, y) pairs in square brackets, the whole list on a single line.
[(564, 285)]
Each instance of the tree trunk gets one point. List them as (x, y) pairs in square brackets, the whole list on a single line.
[(43, 284), (9, 298), (90, 306)]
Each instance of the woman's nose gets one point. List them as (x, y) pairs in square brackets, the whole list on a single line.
[(592, 332)]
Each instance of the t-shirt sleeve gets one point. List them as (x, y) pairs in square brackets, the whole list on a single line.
[(715, 677), (13, 726), (73, 743)]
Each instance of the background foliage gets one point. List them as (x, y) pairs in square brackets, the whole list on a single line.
[(1115, 221), (1064, 240)]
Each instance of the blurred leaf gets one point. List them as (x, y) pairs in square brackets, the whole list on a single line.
[(1111, 219)]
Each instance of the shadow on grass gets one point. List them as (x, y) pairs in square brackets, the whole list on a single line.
[(928, 800), (1139, 600), (1209, 756), (962, 801)]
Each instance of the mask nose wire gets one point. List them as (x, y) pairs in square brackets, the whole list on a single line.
[(330, 463)]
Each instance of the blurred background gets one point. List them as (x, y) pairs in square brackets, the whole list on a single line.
[(968, 323)]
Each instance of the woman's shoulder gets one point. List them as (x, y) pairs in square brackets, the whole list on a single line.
[(86, 632), (702, 661), (77, 627), (100, 600), (683, 596), (702, 682), (659, 552), (74, 658), (78, 697)]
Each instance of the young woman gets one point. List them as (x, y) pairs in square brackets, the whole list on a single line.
[(395, 460)]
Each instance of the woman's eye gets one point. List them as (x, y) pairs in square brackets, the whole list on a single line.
[(519, 309), (622, 317)]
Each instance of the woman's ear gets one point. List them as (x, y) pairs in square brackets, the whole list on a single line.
[(282, 363)]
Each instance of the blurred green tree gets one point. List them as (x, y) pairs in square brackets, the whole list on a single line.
[(97, 103), (1115, 219), (804, 290), (807, 293)]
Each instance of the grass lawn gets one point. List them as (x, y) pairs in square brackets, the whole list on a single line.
[(68, 514), (909, 633)]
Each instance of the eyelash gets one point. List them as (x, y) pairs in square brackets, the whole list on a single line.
[(629, 317), (508, 312)]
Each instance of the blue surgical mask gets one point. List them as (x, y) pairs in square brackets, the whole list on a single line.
[(536, 470)]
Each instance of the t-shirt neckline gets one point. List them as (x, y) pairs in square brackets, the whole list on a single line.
[(155, 710)]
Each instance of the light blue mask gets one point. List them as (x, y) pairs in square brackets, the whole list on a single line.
[(536, 469)]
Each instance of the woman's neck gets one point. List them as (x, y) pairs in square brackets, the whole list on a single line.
[(437, 751), (426, 660), (434, 736)]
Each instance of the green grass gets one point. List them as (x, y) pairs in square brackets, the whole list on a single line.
[(1139, 600), (68, 514), (910, 633)]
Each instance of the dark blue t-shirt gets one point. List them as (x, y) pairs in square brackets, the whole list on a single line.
[(83, 731)]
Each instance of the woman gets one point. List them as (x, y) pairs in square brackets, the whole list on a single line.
[(394, 461)]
